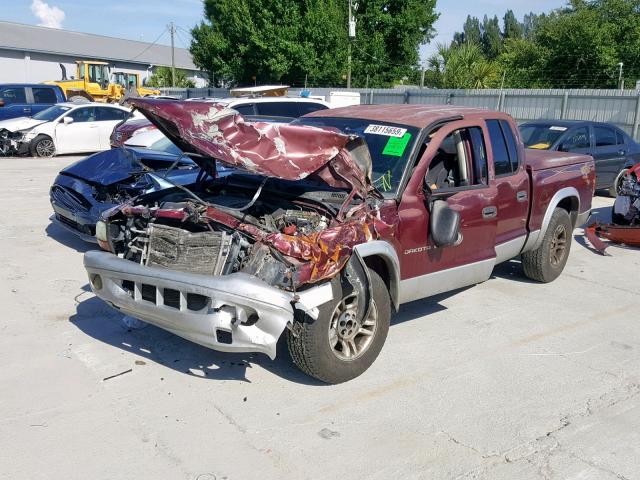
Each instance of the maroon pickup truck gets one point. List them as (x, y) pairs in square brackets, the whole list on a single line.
[(327, 225)]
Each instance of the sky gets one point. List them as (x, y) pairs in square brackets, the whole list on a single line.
[(146, 20)]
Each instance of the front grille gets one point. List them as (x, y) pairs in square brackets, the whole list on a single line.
[(69, 198), (167, 297)]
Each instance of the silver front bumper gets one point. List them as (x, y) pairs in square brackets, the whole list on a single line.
[(232, 313)]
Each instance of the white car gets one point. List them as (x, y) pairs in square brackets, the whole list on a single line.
[(64, 128), (145, 139)]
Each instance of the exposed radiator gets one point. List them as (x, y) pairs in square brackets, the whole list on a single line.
[(176, 249)]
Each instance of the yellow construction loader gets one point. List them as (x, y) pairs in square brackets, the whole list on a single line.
[(93, 83)]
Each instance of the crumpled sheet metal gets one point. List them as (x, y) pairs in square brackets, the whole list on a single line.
[(289, 152), (614, 233), (324, 253)]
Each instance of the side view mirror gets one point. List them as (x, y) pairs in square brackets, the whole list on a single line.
[(67, 120), (563, 148), (444, 224)]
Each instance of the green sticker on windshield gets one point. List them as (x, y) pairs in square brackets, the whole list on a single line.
[(396, 146)]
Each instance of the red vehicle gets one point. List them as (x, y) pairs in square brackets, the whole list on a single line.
[(332, 223), (126, 130)]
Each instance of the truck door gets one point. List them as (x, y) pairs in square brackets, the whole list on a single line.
[(455, 168), (512, 183)]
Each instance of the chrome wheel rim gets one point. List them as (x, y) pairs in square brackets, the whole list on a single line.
[(45, 148), (620, 180), (348, 338), (558, 245)]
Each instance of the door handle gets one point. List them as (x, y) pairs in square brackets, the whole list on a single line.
[(26, 110), (622, 152), (489, 212), (522, 196)]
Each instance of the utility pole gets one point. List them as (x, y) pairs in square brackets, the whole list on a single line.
[(172, 30), (352, 35), (422, 77), (620, 83)]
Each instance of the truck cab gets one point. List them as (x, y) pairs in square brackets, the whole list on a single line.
[(25, 100)]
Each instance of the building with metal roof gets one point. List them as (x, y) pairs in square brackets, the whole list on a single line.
[(32, 54)]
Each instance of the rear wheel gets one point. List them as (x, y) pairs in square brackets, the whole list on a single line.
[(546, 263), (42, 146), (337, 347), (79, 99)]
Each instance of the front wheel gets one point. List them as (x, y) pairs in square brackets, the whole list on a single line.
[(546, 263), (614, 190), (43, 146), (337, 347)]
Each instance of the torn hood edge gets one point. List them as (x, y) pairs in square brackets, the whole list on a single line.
[(289, 152)]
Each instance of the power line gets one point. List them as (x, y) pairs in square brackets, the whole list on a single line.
[(150, 45)]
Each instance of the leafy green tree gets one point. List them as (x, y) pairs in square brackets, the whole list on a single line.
[(471, 32), (513, 29), (162, 78), (463, 66), (578, 47), (492, 41), (265, 41)]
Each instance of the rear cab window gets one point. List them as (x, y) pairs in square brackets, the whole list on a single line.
[(504, 147), (44, 95)]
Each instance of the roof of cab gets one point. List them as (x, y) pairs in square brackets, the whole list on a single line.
[(420, 116)]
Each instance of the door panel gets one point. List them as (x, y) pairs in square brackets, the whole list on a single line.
[(512, 191), (421, 261), (608, 155), (83, 135), (107, 118)]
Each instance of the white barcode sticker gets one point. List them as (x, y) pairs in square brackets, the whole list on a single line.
[(386, 130), (559, 129)]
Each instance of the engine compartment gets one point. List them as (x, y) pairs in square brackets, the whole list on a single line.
[(275, 234)]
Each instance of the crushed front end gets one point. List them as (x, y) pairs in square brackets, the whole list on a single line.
[(231, 261), (625, 226)]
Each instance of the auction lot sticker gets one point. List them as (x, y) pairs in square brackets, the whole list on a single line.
[(386, 130)]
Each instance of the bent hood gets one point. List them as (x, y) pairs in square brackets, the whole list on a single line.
[(289, 152), (118, 164), (20, 123)]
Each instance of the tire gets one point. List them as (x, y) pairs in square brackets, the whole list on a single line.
[(312, 351), (547, 262), (617, 183), (42, 146)]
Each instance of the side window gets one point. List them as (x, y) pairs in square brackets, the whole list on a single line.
[(577, 138), (605, 137), (620, 140), (309, 107), (460, 161), (246, 109), (512, 146), (501, 161), (105, 114), (44, 95), (278, 109), (13, 95), (84, 114)]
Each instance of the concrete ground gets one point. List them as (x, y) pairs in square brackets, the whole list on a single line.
[(506, 380)]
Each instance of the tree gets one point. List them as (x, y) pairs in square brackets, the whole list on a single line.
[(578, 47), (162, 78), (471, 32), (513, 29), (265, 41), (492, 41), (463, 66)]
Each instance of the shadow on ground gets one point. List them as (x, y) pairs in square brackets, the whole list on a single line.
[(68, 239), (96, 319)]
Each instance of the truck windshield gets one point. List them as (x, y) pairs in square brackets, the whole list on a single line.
[(51, 113), (541, 137), (390, 146)]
